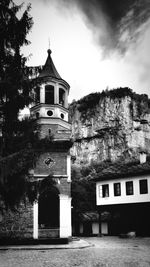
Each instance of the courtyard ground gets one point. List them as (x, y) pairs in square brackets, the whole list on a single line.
[(103, 252)]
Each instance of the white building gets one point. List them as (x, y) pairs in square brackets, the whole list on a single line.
[(126, 198)]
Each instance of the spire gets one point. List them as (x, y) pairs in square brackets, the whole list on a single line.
[(49, 69)]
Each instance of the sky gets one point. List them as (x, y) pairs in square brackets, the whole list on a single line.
[(96, 44)]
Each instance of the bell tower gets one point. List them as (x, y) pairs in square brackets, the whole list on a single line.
[(52, 212), (51, 101)]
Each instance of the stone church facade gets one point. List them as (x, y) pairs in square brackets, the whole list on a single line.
[(50, 215)]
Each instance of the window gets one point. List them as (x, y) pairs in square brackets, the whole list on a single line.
[(37, 115), (117, 189), (61, 96), (129, 188), (37, 94), (143, 186), (62, 115), (104, 190), (49, 94), (50, 113)]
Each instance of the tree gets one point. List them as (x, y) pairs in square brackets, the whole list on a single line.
[(14, 87), (14, 95), (83, 191)]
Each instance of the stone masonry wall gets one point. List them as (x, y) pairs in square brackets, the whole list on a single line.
[(17, 223)]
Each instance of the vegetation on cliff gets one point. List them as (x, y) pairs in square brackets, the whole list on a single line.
[(108, 169), (86, 105)]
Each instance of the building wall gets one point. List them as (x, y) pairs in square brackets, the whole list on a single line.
[(126, 218), (135, 198), (57, 131), (104, 228), (17, 223), (95, 228), (58, 165)]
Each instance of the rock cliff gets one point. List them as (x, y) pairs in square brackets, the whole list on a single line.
[(111, 125)]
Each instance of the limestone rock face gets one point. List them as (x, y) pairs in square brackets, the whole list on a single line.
[(107, 127)]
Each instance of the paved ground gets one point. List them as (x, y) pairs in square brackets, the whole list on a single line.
[(106, 252), (77, 243)]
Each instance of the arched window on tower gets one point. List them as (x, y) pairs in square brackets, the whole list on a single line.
[(61, 97), (49, 94)]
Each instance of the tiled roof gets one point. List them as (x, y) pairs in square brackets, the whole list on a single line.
[(49, 69), (93, 216), (122, 170), (89, 216)]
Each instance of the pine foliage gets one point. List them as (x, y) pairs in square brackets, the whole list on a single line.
[(16, 136)]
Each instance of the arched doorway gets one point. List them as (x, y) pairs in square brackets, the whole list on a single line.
[(48, 212)]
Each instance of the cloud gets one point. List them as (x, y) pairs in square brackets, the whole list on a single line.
[(115, 23)]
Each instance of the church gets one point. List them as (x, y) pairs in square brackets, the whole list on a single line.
[(50, 215)]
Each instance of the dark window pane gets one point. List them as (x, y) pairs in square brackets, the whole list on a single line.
[(129, 188), (49, 94), (117, 189), (105, 190), (143, 186), (61, 96)]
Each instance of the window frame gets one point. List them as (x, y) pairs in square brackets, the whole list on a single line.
[(142, 190), (129, 190), (117, 191), (104, 190), (62, 95), (49, 94)]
